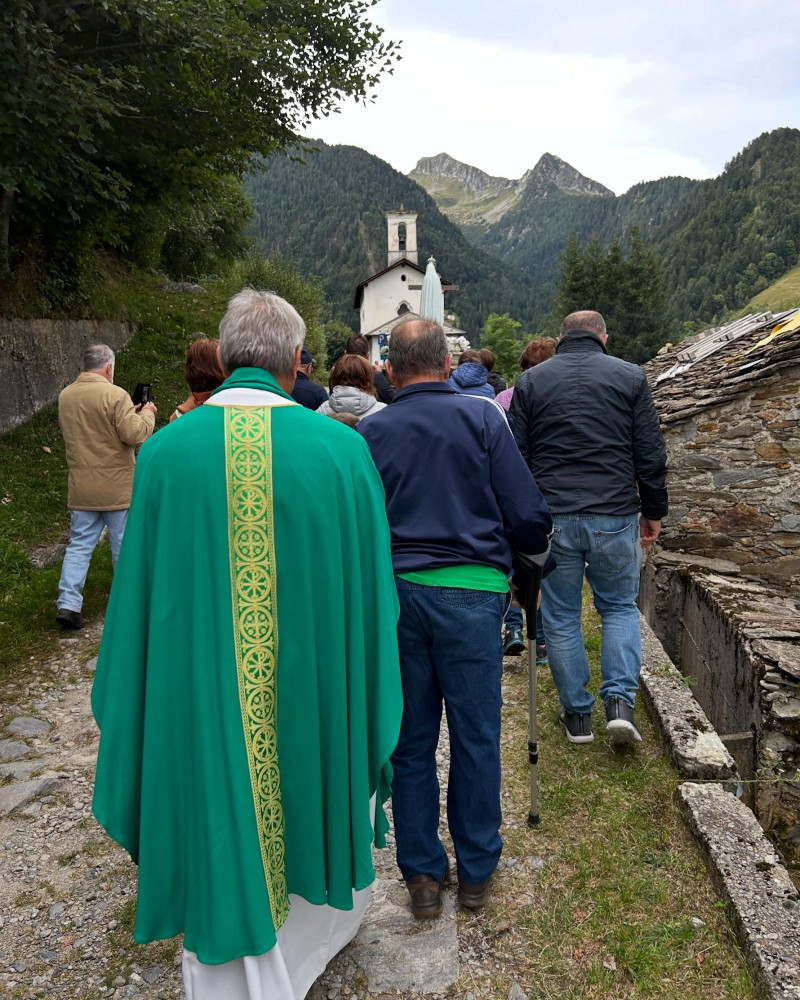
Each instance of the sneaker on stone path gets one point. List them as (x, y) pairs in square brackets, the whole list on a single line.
[(69, 619), (541, 652), (577, 726), (513, 643), (619, 722)]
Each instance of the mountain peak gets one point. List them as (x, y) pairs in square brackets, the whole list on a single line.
[(552, 169), (442, 168)]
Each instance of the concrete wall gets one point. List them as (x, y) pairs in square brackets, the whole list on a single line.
[(39, 357)]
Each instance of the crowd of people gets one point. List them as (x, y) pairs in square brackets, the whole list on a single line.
[(296, 602)]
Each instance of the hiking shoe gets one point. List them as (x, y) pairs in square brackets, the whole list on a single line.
[(69, 619), (513, 643), (541, 652), (426, 895), (473, 896), (577, 726), (619, 722)]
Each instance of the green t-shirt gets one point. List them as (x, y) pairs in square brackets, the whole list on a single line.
[(470, 576)]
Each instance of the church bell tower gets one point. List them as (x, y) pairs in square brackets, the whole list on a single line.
[(402, 233)]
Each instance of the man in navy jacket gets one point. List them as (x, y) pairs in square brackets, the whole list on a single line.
[(587, 427), (459, 498)]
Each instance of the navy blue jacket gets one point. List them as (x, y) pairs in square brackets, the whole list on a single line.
[(457, 489), (310, 394), (587, 427)]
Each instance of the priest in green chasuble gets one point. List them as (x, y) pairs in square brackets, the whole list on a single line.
[(247, 689)]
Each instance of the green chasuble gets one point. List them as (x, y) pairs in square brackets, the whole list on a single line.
[(248, 689)]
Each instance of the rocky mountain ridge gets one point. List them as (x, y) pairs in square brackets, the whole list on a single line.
[(469, 196)]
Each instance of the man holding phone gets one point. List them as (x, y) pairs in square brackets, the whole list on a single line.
[(101, 428)]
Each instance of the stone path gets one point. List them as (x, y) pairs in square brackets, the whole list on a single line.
[(67, 895)]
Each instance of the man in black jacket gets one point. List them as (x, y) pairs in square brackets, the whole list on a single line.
[(587, 427), (310, 394)]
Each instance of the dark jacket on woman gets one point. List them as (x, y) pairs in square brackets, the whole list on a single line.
[(497, 382), (587, 427)]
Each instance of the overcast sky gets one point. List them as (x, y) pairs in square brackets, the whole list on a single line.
[(636, 92)]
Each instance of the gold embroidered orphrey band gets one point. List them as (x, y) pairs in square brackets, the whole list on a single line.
[(255, 624)]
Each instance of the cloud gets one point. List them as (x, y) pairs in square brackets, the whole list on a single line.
[(628, 94)]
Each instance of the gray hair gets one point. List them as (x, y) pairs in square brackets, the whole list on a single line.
[(586, 319), (260, 330), (418, 347), (96, 357)]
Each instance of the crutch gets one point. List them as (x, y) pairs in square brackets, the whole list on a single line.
[(532, 574)]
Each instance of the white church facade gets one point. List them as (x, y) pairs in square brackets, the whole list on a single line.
[(393, 294)]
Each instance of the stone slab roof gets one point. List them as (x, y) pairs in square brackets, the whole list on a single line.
[(722, 363)]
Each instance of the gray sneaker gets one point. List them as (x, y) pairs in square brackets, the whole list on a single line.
[(621, 728), (577, 726)]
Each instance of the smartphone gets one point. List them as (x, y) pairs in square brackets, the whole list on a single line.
[(143, 393)]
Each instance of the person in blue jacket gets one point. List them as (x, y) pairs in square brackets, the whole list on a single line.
[(459, 499), (471, 376)]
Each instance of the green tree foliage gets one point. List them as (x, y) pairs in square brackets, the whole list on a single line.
[(327, 216), (112, 110), (500, 335), (306, 295), (625, 284), (336, 336), (735, 234)]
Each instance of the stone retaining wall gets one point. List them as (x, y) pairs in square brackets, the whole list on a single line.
[(734, 480), (39, 357), (739, 642)]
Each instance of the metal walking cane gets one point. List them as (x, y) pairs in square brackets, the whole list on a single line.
[(531, 601)]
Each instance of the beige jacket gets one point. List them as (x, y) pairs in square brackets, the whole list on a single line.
[(101, 428)]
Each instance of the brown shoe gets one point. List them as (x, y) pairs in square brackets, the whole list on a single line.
[(426, 895), (473, 896)]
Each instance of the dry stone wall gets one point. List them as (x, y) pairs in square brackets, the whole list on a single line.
[(734, 481), (737, 640), (39, 357)]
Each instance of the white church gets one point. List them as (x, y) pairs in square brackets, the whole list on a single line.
[(394, 294)]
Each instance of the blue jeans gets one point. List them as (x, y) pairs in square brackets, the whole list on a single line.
[(513, 620), (607, 549), (84, 531), (450, 651)]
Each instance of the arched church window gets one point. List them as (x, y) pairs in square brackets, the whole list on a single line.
[(402, 309), (401, 237)]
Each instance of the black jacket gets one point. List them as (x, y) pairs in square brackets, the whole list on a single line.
[(497, 382), (587, 427), (310, 394), (383, 387)]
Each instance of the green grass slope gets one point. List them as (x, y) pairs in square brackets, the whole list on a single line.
[(781, 294), (33, 488)]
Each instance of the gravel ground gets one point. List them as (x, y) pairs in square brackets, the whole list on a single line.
[(67, 896)]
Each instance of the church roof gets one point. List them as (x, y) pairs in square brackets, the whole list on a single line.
[(359, 293), (394, 321)]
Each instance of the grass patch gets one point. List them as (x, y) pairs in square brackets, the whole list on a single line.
[(34, 484), (624, 906), (782, 294), (33, 491)]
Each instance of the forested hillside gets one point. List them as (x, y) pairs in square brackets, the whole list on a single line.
[(720, 241), (326, 217), (736, 234)]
